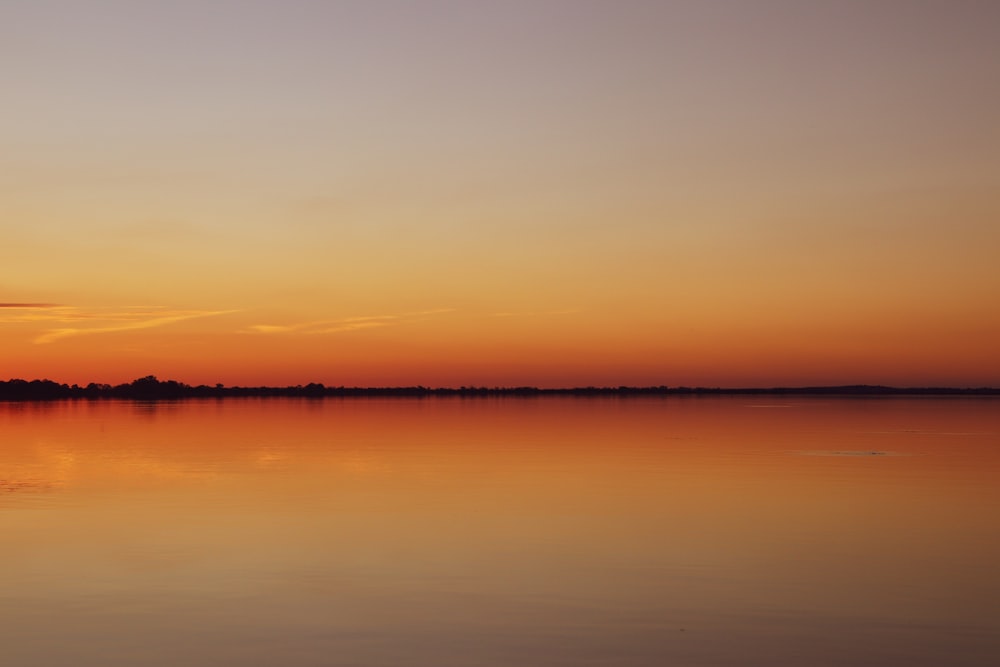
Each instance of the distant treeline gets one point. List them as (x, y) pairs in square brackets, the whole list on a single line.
[(151, 389)]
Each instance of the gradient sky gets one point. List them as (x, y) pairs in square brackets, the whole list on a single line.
[(496, 193)]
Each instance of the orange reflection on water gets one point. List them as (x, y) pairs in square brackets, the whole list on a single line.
[(453, 531)]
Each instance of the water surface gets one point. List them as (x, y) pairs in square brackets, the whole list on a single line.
[(498, 532)]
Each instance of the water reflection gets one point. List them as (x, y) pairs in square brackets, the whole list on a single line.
[(703, 531)]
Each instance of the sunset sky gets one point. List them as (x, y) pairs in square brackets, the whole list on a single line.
[(539, 192)]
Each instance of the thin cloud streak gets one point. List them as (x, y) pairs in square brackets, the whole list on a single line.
[(29, 306), (159, 320), (70, 315), (351, 327), (345, 323), (568, 311)]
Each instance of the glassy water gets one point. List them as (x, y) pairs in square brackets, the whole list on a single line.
[(501, 532)]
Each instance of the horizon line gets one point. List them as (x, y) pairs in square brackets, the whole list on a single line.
[(149, 387)]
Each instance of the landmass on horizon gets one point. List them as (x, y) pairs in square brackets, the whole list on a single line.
[(150, 388)]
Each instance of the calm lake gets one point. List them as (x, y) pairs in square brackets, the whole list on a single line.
[(501, 532)]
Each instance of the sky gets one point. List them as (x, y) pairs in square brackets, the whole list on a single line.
[(545, 192)]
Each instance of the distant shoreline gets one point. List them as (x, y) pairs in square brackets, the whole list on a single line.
[(151, 389)]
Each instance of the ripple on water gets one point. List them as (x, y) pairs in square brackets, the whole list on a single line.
[(852, 452)]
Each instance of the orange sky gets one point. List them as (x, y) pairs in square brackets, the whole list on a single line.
[(550, 193)]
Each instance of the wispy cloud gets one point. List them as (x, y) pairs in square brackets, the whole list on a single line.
[(270, 328), (29, 306), (354, 326), (98, 321), (346, 323), (568, 311)]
